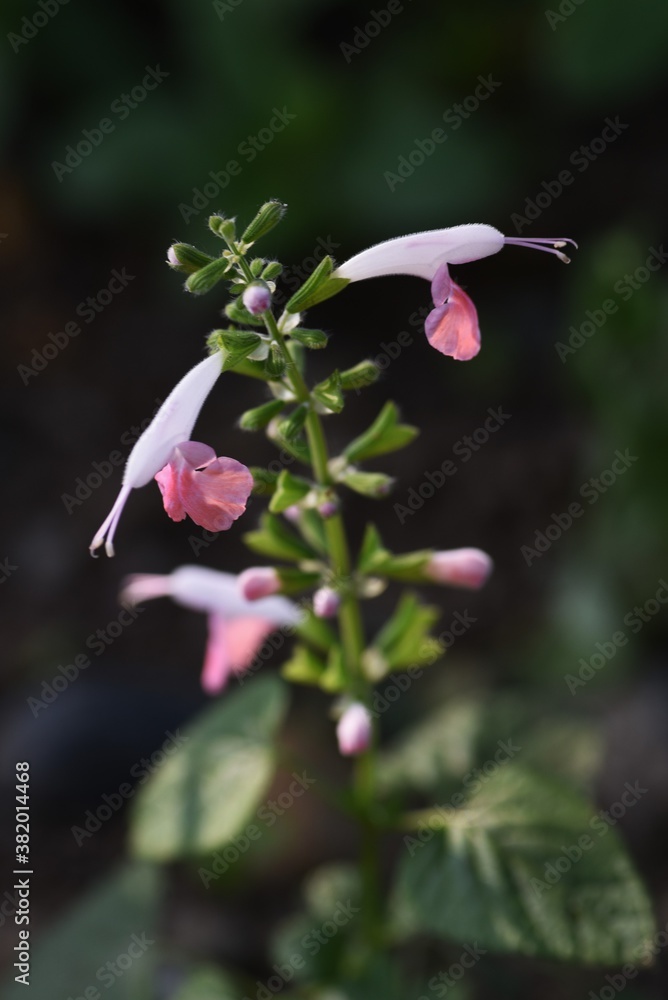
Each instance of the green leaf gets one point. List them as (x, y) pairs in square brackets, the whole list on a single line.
[(329, 394), (99, 927), (404, 640), (208, 983), (332, 897), (303, 667), (276, 541), (314, 339), (384, 435), (370, 484), (206, 793), (237, 345), (289, 491), (485, 876), (206, 277), (317, 287), (260, 416)]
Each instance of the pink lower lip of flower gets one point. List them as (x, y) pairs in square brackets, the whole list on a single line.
[(354, 731), (259, 581), (212, 491), (237, 627), (452, 328), (460, 568)]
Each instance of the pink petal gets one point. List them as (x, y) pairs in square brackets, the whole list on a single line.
[(212, 491), (453, 328), (231, 648)]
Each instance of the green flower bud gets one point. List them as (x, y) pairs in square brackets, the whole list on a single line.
[(269, 216)]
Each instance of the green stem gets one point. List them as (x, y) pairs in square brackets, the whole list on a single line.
[(352, 638)]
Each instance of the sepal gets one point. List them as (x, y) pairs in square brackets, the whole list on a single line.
[(384, 435), (204, 279), (267, 217), (317, 287)]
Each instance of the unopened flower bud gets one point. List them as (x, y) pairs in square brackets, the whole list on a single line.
[(259, 581), (172, 259), (256, 298), (354, 730), (326, 602), (328, 508), (292, 513), (460, 567)]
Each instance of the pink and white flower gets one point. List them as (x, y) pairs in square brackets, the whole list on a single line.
[(213, 491), (237, 627), (452, 326)]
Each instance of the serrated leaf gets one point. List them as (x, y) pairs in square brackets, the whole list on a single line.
[(303, 667), (329, 394), (205, 794), (486, 876), (289, 491), (404, 640), (384, 435), (95, 930), (276, 541)]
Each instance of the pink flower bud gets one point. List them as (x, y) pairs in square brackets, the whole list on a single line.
[(256, 299), (172, 259), (326, 602), (292, 513), (259, 581), (328, 508), (460, 567), (354, 730)]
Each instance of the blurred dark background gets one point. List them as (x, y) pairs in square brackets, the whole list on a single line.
[(559, 75)]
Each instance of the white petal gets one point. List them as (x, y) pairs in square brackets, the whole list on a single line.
[(210, 590), (172, 424), (421, 254)]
